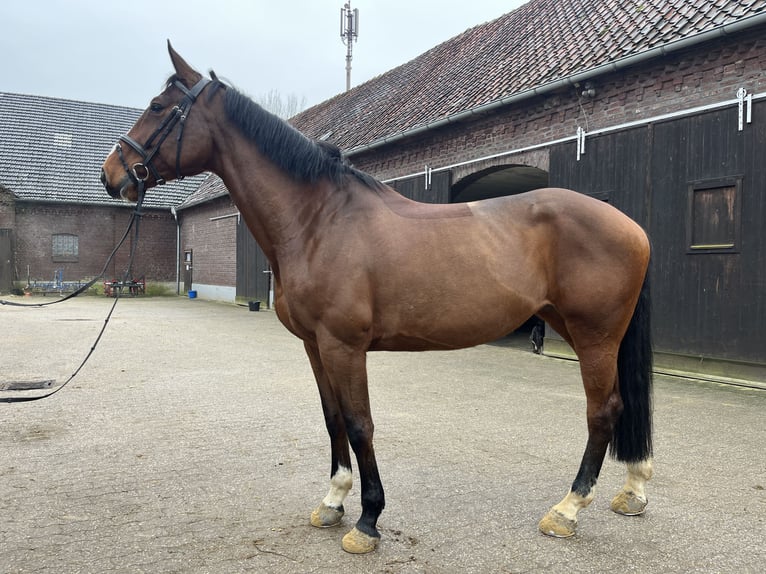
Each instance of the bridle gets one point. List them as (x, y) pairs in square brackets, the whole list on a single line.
[(140, 171)]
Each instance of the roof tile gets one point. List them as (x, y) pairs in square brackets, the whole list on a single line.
[(52, 150)]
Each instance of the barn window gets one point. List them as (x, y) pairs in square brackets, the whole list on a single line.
[(65, 247), (713, 225)]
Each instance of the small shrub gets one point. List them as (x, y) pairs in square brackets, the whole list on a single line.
[(158, 290)]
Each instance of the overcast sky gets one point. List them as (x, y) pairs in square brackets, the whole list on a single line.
[(114, 51)]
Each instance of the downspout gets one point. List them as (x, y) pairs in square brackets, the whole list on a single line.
[(577, 78), (178, 250)]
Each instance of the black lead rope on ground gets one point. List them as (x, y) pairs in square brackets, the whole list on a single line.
[(132, 224)]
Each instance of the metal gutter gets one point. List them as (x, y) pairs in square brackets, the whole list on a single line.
[(577, 78), (92, 203), (600, 131)]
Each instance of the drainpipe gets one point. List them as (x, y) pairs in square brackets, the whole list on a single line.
[(178, 250)]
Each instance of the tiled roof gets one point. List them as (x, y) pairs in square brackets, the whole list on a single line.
[(52, 150), (211, 188), (535, 45)]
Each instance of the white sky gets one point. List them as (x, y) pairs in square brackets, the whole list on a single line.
[(114, 51)]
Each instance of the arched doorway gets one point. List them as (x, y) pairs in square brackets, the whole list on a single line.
[(498, 181)]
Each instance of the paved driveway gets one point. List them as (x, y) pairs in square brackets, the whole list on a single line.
[(193, 441)]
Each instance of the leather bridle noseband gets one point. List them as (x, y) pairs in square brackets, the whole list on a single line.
[(140, 171)]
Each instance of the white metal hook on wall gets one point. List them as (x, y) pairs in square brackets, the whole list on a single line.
[(580, 142), (745, 104)]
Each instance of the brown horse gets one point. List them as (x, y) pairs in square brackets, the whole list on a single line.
[(357, 268)]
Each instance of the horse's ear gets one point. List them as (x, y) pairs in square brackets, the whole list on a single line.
[(183, 70)]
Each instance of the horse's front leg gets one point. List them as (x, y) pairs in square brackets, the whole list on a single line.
[(346, 371), (330, 510)]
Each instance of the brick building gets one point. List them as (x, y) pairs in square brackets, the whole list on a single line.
[(657, 106), (221, 260), (56, 221)]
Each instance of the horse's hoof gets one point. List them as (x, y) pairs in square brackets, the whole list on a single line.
[(557, 525), (326, 516), (626, 502), (357, 542)]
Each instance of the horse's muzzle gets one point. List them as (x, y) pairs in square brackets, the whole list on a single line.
[(123, 189), (112, 191)]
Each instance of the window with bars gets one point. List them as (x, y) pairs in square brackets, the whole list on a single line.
[(65, 247)]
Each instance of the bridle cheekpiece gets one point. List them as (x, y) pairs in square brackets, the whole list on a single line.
[(140, 171)]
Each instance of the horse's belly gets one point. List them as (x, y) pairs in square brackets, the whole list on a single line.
[(449, 326)]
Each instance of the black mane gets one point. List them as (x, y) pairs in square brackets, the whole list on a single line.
[(303, 159)]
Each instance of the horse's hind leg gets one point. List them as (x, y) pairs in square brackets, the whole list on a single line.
[(631, 500), (598, 366), (330, 511)]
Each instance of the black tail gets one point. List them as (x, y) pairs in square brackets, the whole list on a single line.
[(632, 440)]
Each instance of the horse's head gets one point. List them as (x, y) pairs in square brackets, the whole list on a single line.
[(166, 142)]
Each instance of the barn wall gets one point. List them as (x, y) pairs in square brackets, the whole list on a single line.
[(697, 184), (98, 230), (434, 188), (213, 244), (613, 169)]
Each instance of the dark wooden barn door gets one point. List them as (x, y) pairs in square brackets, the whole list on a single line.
[(433, 188), (708, 203), (6, 261), (188, 270), (696, 183), (253, 272)]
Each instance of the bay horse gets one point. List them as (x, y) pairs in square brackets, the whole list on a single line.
[(358, 267)]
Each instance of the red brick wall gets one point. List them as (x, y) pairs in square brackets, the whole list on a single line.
[(98, 230), (156, 253), (707, 74), (213, 242)]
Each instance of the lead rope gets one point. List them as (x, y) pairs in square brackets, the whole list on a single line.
[(134, 224)]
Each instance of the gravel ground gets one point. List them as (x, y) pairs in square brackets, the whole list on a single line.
[(193, 441)]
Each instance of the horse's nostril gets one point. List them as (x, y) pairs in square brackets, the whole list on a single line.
[(103, 177)]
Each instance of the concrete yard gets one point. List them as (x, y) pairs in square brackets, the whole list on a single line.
[(193, 441)]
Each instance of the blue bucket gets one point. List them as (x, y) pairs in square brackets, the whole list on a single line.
[(192, 294)]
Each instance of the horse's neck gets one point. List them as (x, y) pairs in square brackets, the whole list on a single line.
[(277, 209)]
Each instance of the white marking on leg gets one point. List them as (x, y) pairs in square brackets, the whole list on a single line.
[(574, 503), (638, 475), (340, 484)]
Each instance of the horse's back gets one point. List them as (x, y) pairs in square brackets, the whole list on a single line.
[(551, 201), (571, 220)]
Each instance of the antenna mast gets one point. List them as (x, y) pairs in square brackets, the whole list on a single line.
[(349, 31)]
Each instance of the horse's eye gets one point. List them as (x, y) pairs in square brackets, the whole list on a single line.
[(156, 107)]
